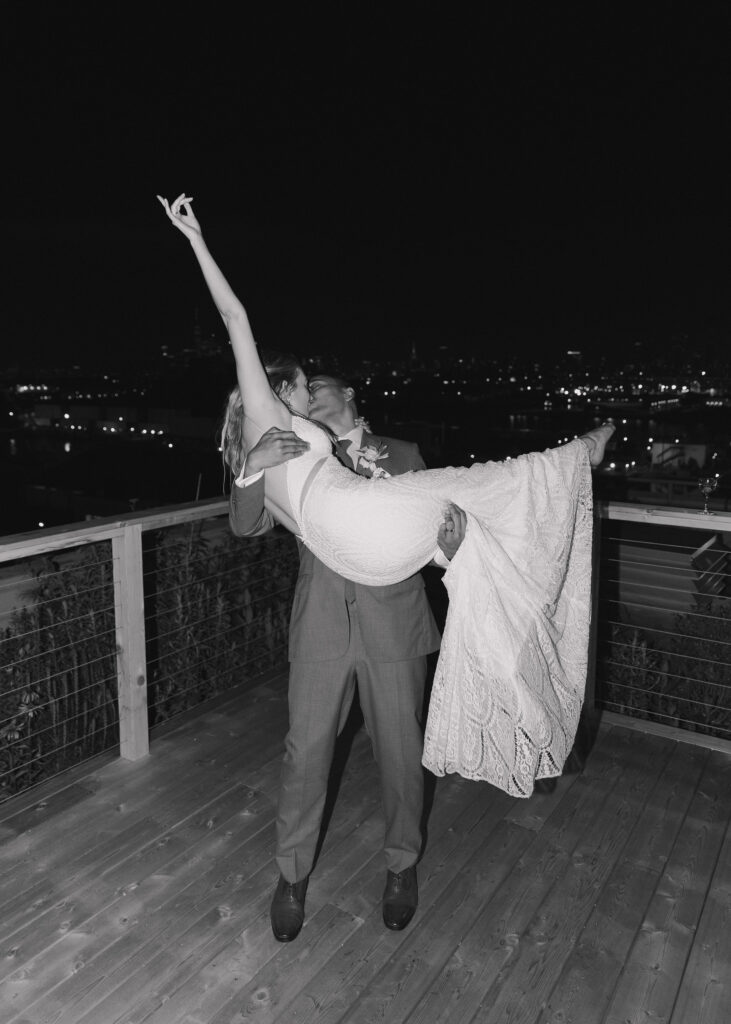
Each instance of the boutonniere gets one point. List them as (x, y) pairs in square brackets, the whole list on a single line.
[(369, 455)]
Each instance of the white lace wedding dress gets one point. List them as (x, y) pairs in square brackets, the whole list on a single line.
[(510, 679)]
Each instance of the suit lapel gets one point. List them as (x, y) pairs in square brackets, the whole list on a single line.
[(365, 439)]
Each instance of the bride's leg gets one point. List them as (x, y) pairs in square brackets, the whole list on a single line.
[(596, 440)]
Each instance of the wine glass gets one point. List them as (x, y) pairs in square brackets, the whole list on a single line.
[(707, 485)]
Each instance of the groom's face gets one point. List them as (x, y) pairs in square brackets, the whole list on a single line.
[(330, 401)]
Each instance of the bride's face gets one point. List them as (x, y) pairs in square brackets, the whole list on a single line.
[(297, 395)]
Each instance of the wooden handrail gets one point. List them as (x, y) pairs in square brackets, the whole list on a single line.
[(125, 534), (691, 519), (40, 542)]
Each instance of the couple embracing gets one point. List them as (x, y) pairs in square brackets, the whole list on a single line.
[(509, 681), (341, 632)]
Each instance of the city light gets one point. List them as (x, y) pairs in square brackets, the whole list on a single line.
[(516, 399)]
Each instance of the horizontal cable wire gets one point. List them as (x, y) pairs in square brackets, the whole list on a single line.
[(691, 575), (69, 598), (207, 661), (77, 593), (179, 693), (228, 598), (57, 650), (702, 728), (686, 570), (208, 618), (49, 753), (672, 697), (61, 623), (40, 602), (674, 611), (43, 575), (671, 654), (662, 632), (236, 585), (42, 705), (46, 702), (694, 595), (642, 585), (176, 651), (231, 570), (659, 545), (237, 559), (42, 680), (89, 713), (645, 670), (165, 638)]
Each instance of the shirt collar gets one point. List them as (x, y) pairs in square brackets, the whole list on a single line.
[(355, 436)]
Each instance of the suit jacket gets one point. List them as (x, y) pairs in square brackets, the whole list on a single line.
[(396, 621)]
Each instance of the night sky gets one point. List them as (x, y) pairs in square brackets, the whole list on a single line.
[(518, 179)]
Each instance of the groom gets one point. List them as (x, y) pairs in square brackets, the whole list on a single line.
[(339, 632)]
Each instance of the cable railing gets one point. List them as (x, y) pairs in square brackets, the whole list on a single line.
[(663, 618), (111, 628)]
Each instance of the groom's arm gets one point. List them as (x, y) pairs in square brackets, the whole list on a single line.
[(451, 534), (247, 515)]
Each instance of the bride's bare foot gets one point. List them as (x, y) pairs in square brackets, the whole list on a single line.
[(596, 441)]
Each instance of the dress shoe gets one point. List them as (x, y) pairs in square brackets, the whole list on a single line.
[(288, 908), (400, 898)]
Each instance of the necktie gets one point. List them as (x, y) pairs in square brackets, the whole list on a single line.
[(343, 446)]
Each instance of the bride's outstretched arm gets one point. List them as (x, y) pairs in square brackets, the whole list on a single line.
[(261, 404)]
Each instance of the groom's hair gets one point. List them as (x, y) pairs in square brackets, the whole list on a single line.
[(334, 377)]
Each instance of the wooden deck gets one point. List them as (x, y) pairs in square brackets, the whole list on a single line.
[(140, 892)]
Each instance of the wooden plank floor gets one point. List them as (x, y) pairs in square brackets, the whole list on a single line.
[(140, 892)]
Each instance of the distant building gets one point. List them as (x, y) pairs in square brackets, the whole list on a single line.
[(668, 455)]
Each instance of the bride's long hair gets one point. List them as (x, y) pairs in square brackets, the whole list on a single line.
[(281, 369)]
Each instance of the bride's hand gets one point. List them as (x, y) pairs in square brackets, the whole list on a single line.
[(184, 221)]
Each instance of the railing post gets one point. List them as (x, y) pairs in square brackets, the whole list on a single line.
[(590, 708), (129, 606)]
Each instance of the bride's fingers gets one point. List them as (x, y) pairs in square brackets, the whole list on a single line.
[(166, 206)]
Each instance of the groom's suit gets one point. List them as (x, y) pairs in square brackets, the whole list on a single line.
[(340, 631)]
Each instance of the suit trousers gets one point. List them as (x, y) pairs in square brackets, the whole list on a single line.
[(320, 695)]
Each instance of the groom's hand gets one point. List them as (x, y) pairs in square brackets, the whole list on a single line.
[(273, 448), (451, 532)]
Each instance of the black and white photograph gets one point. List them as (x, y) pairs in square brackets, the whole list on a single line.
[(365, 569)]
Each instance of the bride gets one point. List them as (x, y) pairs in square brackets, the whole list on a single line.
[(510, 679)]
